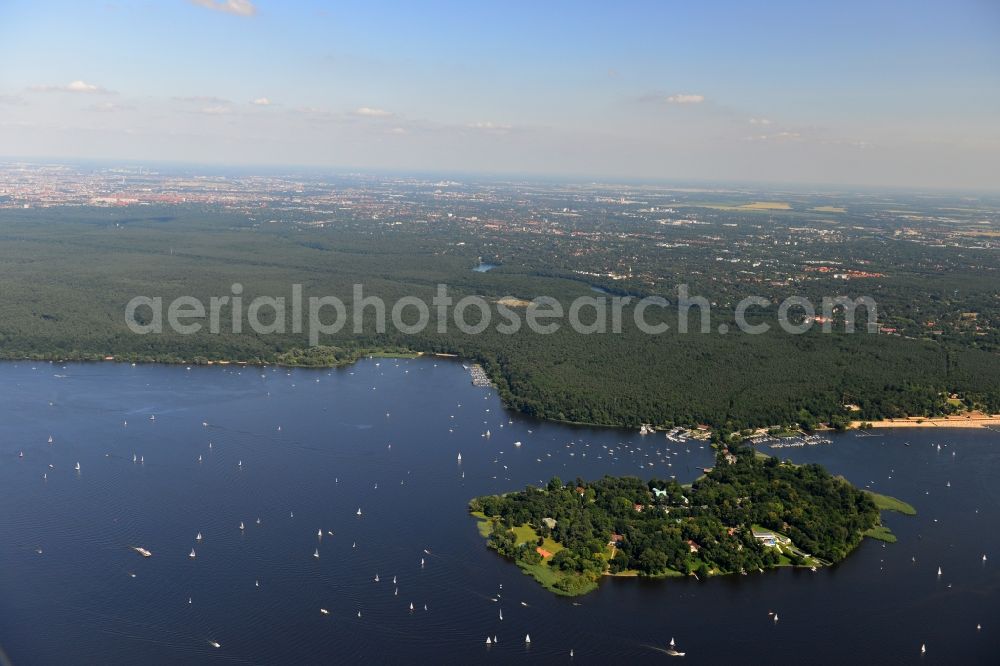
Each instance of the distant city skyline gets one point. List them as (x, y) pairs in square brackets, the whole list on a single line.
[(895, 94)]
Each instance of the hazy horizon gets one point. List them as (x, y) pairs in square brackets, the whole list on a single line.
[(897, 95)]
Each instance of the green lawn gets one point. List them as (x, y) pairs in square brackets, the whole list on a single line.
[(527, 534), (633, 573), (548, 577), (522, 533), (393, 354), (541, 572), (887, 503), (482, 523), (882, 533)]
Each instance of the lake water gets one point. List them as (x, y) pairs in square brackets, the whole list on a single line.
[(384, 436)]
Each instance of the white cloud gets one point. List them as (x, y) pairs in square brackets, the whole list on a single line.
[(109, 107), (776, 136), (262, 101), (489, 125), (760, 121), (237, 7), (202, 99), (81, 86), (217, 110), (369, 112), (853, 143), (74, 87), (686, 98)]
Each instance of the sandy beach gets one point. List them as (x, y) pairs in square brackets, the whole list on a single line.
[(974, 420)]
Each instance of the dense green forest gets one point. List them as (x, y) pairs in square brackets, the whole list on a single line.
[(66, 275), (659, 527)]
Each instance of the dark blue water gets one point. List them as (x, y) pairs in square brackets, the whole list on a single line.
[(384, 436)]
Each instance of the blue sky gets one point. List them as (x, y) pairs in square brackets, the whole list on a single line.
[(893, 93)]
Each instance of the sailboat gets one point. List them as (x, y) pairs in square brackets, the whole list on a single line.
[(50, 439), (776, 617), (460, 457), (984, 557), (319, 533), (191, 554), (324, 611), (489, 641), (77, 467), (527, 638), (939, 571), (376, 578), (241, 525), (393, 580), (199, 457), (923, 648), (359, 510), (411, 606), (672, 649), (198, 538), (421, 563), (501, 615), (135, 458), (316, 553)]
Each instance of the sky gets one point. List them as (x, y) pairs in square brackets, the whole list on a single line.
[(870, 93)]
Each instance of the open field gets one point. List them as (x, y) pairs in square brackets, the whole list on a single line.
[(766, 205)]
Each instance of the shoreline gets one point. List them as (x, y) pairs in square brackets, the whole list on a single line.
[(969, 421), (976, 420)]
